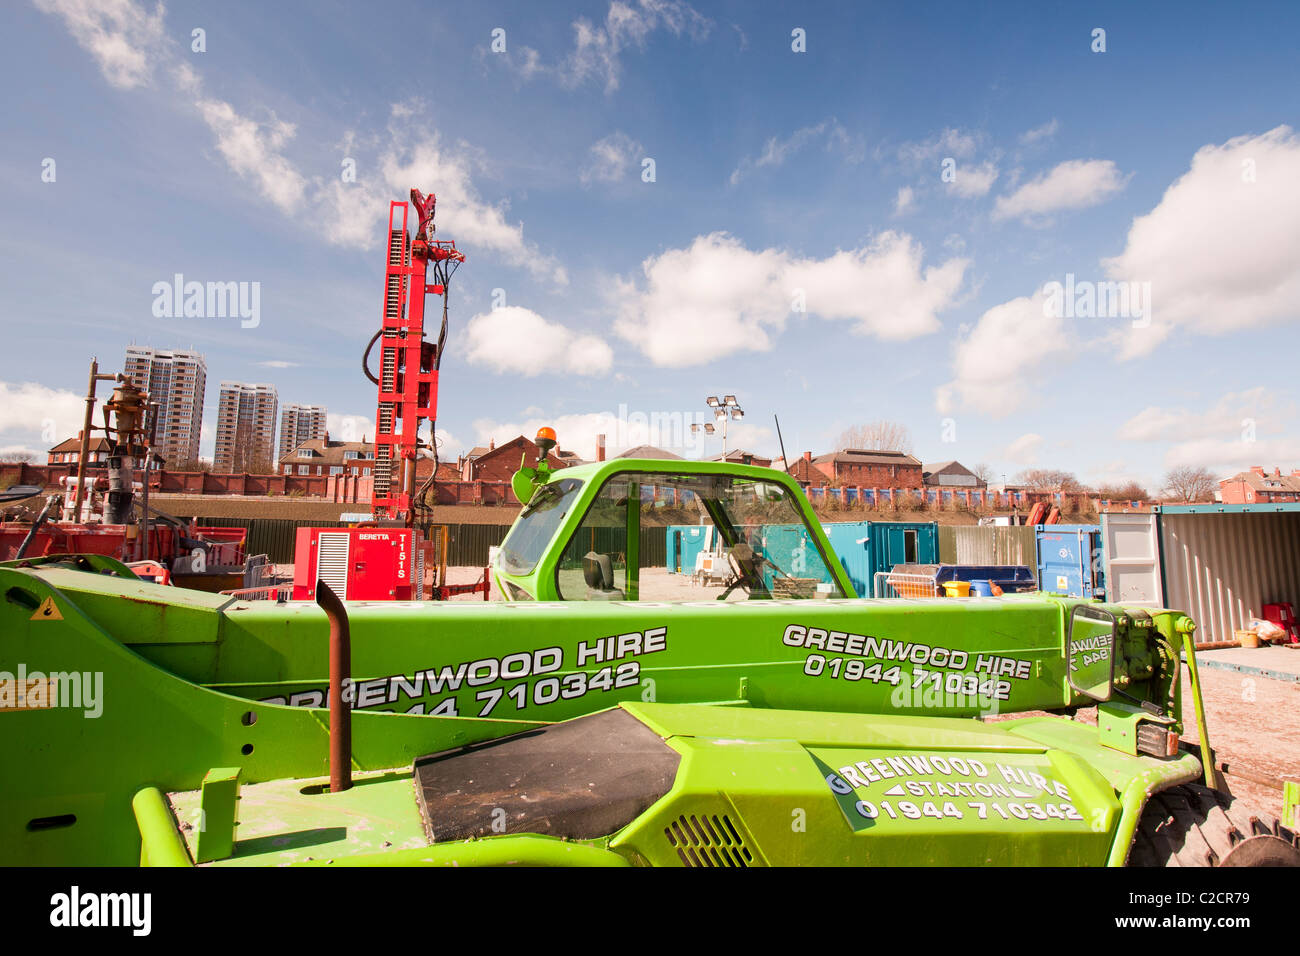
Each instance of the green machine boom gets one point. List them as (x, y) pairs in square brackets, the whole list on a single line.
[(584, 721)]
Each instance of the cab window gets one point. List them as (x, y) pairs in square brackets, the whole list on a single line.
[(759, 545)]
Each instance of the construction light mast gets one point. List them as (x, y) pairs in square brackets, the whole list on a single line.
[(408, 365)]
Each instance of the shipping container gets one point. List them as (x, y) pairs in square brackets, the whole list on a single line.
[(1218, 563), (988, 544), (683, 543), (865, 547), (1070, 560)]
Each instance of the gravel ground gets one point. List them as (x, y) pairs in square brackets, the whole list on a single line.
[(1254, 725)]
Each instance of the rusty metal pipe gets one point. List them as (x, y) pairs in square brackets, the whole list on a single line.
[(340, 672), (36, 526)]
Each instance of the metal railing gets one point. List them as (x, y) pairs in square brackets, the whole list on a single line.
[(890, 584)]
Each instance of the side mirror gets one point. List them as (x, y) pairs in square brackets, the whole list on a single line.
[(523, 483), (1090, 651)]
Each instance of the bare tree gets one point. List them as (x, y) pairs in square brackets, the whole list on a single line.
[(877, 436), (14, 457), (1128, 491), (191, 464), (1047, 479), (983, 472), (1186, 483)]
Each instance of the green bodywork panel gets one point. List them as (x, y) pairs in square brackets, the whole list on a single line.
[(763, 787), (215, 818)]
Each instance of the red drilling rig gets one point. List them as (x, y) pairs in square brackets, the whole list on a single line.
[(408, 364), (387, 558)]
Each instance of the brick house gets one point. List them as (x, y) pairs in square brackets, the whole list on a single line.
[(650, 451), (738, 456), (500, 462), (67, 451), (950, 474), (1257, 485), (807, 474), (321, 456), (866, 468)]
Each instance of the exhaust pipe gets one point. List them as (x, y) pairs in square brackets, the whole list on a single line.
[(340, 672)]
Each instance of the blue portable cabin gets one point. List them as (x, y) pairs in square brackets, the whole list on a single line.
[(684, 543), (862, 547), (1070, 560), (866, 547)]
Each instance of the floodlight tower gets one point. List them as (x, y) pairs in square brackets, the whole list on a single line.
[(723, 411)]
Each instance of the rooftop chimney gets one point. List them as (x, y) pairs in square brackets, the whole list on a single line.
[(600, 447), (1257, 469), (327, 436), (492, 444), (807, 456)]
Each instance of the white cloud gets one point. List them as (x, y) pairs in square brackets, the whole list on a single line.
[(610, 158), (949, 143), (998, 364), (629, 428), (1241, 429), (344, 427), (519, 341), (127, 42), (353, 213), (278, 363), (598, 47), (1221, 250), (1024, 450), (576, 432), (33, 413), (776, 151), (1232, 414), (1073, 184), (1224, 457), (905, 201), (1038, 133), (18, 452), (121, 35), (718, 297), (253, 151), (971, 182)]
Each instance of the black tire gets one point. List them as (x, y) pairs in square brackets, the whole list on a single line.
[(1193, 825)]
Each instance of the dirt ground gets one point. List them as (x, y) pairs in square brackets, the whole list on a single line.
[(1254, 725)]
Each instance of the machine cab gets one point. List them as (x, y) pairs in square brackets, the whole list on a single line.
[(596, 533)]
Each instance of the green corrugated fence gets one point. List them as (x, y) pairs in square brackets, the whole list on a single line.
[(467, 544)]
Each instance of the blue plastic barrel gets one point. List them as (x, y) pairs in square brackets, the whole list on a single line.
[(981, 588)]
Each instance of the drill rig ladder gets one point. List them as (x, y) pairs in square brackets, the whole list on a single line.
[(408, 365)]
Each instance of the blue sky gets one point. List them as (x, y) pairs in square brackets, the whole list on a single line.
[(863, 230)]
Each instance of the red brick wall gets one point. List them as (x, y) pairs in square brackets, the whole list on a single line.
[(868, 475)]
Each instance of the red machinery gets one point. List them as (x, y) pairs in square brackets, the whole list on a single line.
[(356, 562), (408, 365), (359, 564)]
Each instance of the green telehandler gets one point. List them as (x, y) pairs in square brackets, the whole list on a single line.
[(587, 719)]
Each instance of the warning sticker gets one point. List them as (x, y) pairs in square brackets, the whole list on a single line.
[(47, 611)]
